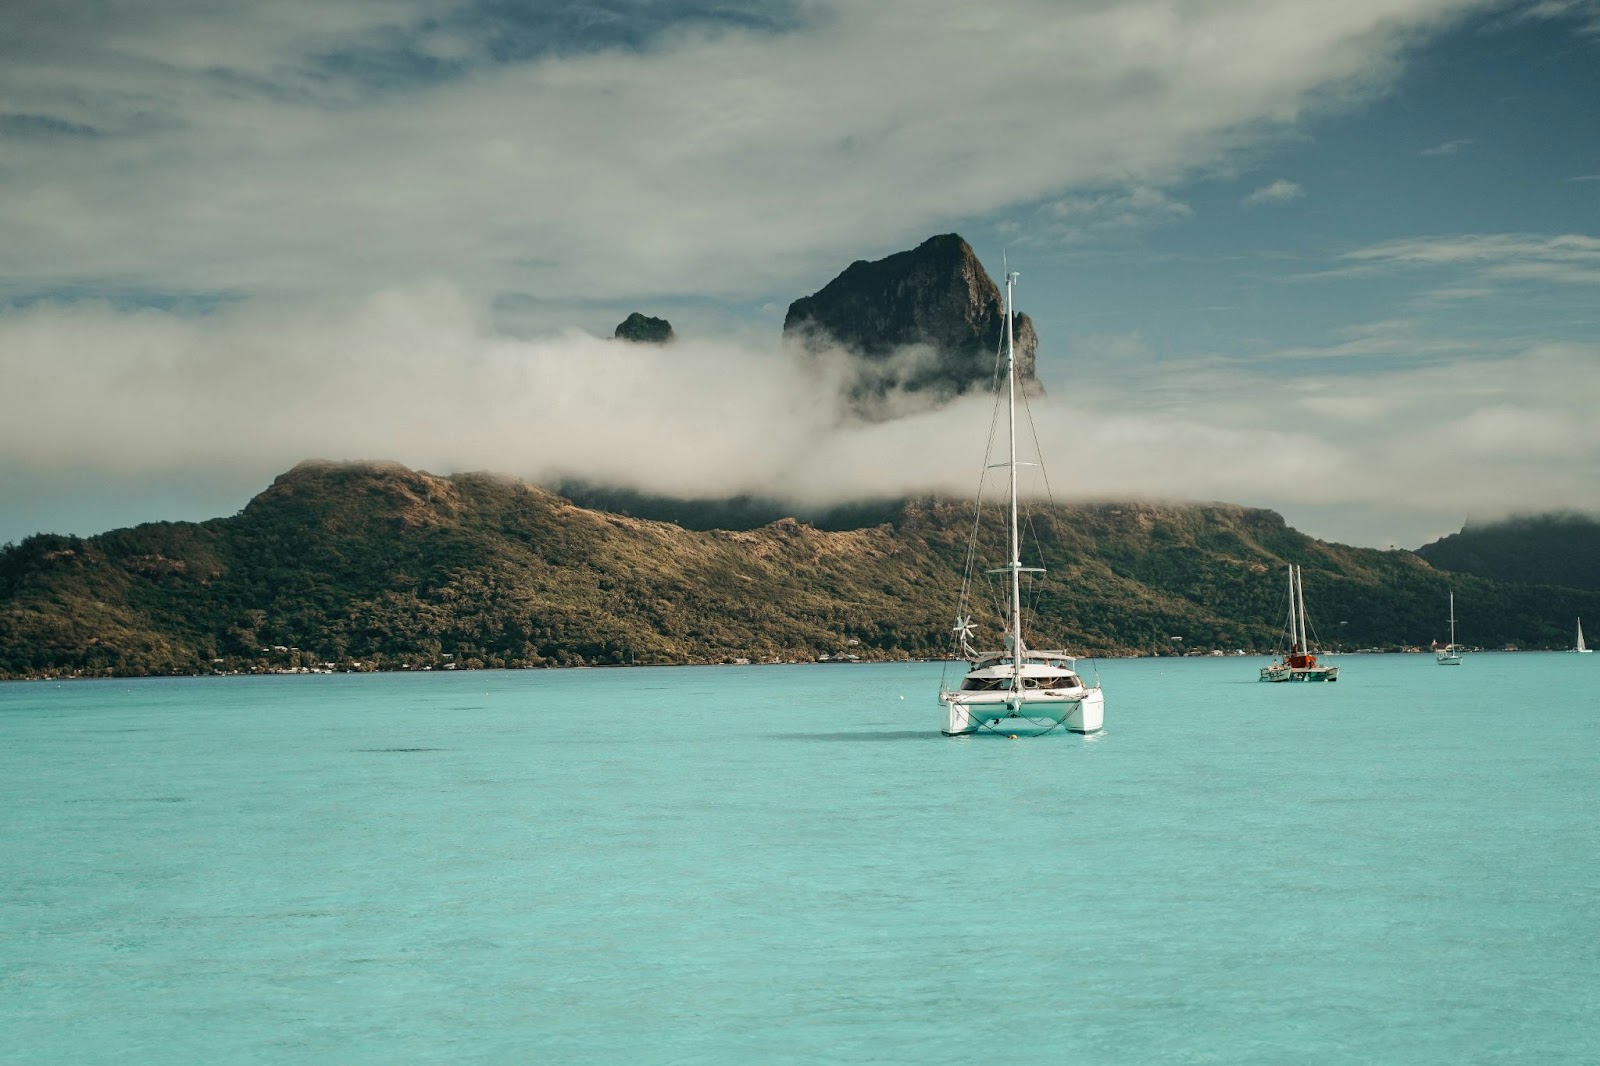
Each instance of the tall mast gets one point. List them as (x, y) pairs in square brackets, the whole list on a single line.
[(1452, 618), (1011, 425), (1305, 640), (1294, 620)]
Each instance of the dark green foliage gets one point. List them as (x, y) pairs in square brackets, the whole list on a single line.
[(374, 566), (1551, 549)]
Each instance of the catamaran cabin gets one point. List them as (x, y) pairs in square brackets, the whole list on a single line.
[(995, 672)]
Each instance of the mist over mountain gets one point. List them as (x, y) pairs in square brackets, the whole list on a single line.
[(1543, 549), (739, 512), (644, 329), (926, 322)]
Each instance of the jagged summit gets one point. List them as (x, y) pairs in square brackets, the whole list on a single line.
[(643, 329), (928, 320)]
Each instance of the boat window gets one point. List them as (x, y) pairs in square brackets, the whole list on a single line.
[(985, 684)]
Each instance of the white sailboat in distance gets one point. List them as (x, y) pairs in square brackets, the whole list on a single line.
[(1450, 654), (1581, 648), (1017, 690)]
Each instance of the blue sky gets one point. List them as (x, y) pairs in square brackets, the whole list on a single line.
[(1341, 261)]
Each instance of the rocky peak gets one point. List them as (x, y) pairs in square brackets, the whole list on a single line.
[(927, 321), (643, 329)]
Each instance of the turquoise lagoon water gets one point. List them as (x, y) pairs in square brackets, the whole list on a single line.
[(789, 864)]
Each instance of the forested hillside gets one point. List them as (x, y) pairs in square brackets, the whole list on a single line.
[(1552, 549), (374, 566)]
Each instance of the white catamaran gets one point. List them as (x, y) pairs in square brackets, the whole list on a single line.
[(1299, 664), (1581, 648), (1450, 654), (1018, 690)]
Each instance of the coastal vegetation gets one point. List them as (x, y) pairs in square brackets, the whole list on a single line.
[(374, 566), (1546, 549)]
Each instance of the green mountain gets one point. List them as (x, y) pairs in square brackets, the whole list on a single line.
[(374, 566), (1546, 549)]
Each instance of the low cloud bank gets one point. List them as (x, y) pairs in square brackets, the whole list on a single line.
[(419, 376)]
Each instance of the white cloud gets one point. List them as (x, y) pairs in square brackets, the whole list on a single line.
[(1585, 12), (1455, 293), (411, 374), (718, 161), (1447, 148), (1130, 209), (1394, 340), (417, 376), (1279, 192), (1570, 258)]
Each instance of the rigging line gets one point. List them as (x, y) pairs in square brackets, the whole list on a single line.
[(977, 506), (984, 722), (1050, 497), (988, 450), (1038, 449), (1312, 633), (999, 353), (1044, 474), (996, 600), (970, 563)]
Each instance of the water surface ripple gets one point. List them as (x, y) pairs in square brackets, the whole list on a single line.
[(789, 864)]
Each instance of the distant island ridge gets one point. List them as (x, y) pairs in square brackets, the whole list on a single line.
[(374, 566)]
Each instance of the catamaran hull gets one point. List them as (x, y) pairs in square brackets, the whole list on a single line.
[(1314, 673), (967, 715)]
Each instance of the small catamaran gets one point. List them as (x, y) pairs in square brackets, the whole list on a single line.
[(1299, 664), (1450, 654), (1018, 690)]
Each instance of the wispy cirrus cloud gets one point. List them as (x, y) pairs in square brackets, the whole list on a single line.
[(1278, 192), (1122, 209), (1586, 13), (1455, 294), (1397, 342), (1447, 148), (1570, 258)]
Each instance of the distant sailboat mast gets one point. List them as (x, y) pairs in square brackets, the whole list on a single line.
[(1298, 663), (1450, 654), (1294, 622), (1300, 597)]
